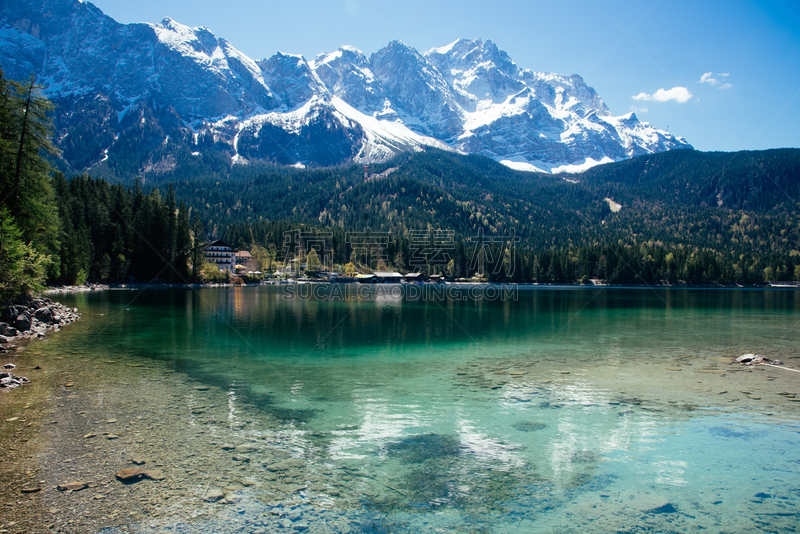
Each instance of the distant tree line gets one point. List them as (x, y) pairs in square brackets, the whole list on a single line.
[(456, 257), (110, 233), (652, 263)]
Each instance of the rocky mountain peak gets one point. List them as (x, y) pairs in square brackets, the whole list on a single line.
[(466, 54), (291, 78), (183, 87), (418, 89), (347, 74)]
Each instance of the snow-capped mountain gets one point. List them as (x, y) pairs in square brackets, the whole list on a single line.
[(131, 96)]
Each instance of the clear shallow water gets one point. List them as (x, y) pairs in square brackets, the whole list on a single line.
[(543, 410)]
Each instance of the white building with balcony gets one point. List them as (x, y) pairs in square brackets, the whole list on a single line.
[(222, 255)]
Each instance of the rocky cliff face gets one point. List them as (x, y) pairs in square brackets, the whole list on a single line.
[(129, 95)]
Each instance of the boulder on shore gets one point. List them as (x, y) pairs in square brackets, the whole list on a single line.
[(23, 323), (9, 380), (6, 330), (34, 316)]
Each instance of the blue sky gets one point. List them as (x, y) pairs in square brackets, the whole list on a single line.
[(725, 75)]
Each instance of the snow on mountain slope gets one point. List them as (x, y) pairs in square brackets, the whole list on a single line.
[(537, 120), (384, 138), (477, 72), (347, 75), (216, 55), (418, 89), (205, 76), (123, 88)]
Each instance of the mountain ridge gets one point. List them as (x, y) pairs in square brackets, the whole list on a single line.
[(142, 87)]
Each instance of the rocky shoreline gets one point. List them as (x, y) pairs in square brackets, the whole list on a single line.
[(32, 318), (29, 319), (60, 290)]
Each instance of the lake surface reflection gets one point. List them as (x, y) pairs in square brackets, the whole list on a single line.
[(501, 410)]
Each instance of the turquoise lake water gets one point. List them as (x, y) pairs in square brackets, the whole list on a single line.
[(466, 410)]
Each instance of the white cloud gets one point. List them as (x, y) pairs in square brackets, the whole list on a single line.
[(708, 77), (642, 109), (678, 94), (714, 79)]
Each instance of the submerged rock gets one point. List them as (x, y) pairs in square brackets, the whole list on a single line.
[(750, 359), (285, 465), (667, 508), (134, 474), (155, 475), (131, 474), (72, 486), (528, 426), (214, 495), (422, 447)]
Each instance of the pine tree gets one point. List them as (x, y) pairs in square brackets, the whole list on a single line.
[(27, 192), (198, 248), (183, 244), (22, 267), (28, 213)]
